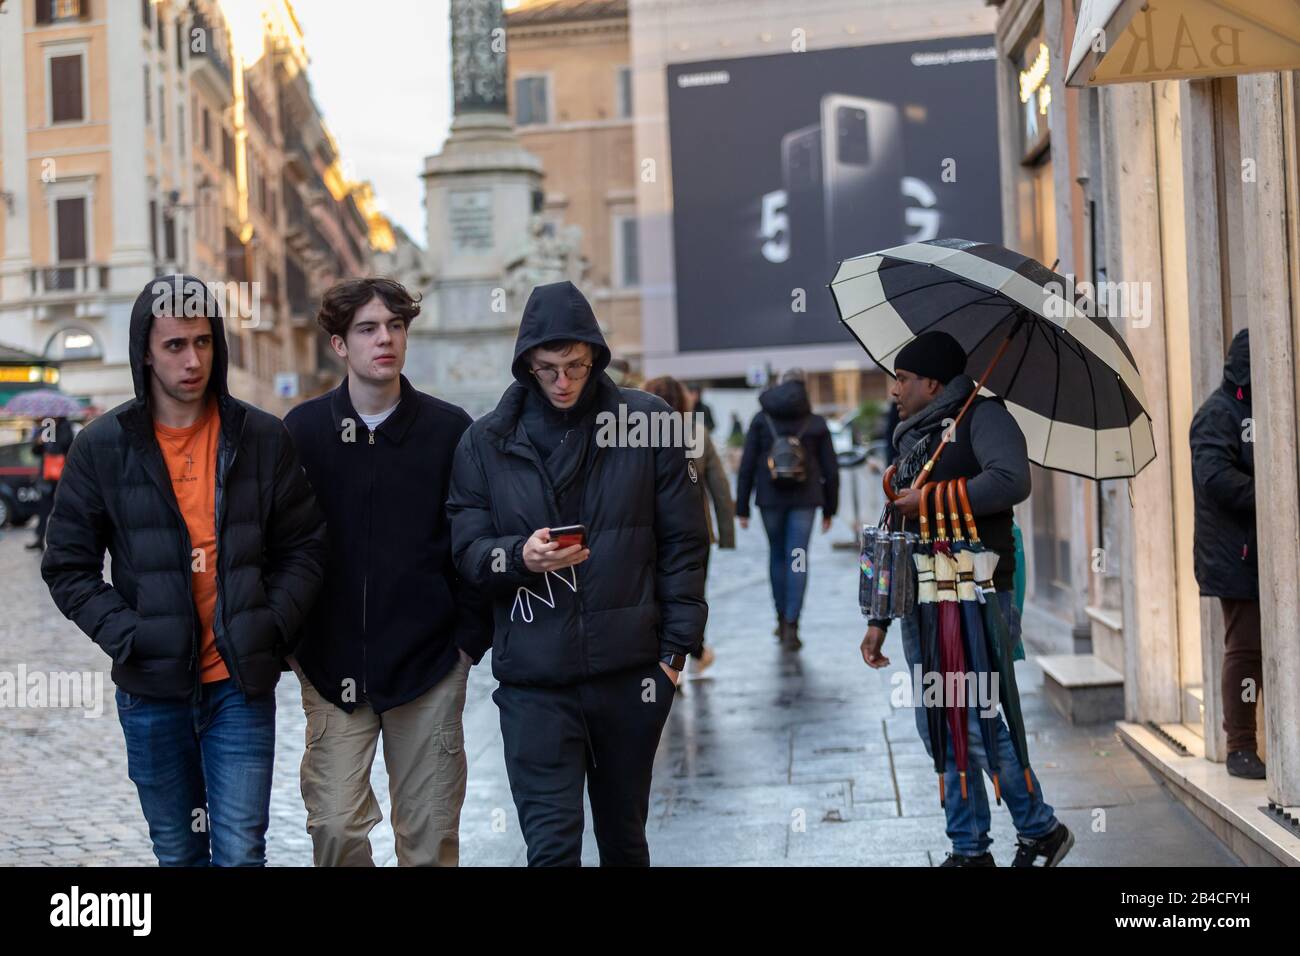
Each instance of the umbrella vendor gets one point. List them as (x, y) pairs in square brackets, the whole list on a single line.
[(987, 448)]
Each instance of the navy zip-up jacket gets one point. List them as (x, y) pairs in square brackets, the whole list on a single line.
[(393, 610)]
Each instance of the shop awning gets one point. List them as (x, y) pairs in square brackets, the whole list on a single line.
[(1127, 41)]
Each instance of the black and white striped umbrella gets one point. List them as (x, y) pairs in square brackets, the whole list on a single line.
[(1066, 374)]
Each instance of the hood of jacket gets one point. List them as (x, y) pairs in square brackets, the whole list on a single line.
[(1236, 369), (788, 400), (558, 312), (175, 295)]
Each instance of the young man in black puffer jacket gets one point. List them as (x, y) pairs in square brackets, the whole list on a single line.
[(589, 638), (218, 551)]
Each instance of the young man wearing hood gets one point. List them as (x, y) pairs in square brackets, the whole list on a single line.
[(1226, 565), (590, 636), (788, 508), (387, 648), (988, 449), (218, 550)]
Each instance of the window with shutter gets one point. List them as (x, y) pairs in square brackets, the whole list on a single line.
[(66, 104), (148, 97), (56, 11), (70, 221), (153, 227), (531, 100), (169, 238)]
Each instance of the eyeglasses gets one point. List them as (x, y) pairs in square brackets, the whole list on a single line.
[(574, 372)]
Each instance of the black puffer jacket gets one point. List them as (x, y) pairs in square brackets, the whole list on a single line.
[(115, 495), (641, 593), (1223, 484), (787, 409)]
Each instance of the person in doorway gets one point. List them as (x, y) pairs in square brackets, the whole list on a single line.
[(218, 549), (593, 630), (1223, 546), (988, 448), (387, 648), (790, 468)]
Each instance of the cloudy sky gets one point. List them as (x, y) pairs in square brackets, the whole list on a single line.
[(380, 72), (383, 81)]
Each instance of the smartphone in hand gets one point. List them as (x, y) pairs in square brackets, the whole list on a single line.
[(569, 535)]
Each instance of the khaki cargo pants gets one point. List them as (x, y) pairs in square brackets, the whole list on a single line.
[(424, 752)]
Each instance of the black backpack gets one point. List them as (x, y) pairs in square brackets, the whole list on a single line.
[(787, 460)]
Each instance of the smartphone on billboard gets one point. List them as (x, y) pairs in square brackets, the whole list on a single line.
[(862, 172), (569, 535), (801, 170)]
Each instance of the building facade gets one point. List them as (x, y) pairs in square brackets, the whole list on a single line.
[(569, 78), (136, 143), (1154, 151)]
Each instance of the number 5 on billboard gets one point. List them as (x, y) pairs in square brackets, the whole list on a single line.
[(775, 227)]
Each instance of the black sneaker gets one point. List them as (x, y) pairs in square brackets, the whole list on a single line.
[(35, 546), (957, 859), (1051, 848), (1245, 763)]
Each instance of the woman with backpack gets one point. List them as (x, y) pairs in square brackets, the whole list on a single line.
[(790, 463)]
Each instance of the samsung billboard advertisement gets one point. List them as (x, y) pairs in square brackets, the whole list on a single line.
[(783, 165)]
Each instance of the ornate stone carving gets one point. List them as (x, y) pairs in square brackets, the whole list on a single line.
[(478, 56), (549, 254)]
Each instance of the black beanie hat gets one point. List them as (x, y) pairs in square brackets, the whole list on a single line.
[(935, 355)]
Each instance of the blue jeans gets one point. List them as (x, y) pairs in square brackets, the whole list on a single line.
[(202, 770), (969, 819), (788, 529)]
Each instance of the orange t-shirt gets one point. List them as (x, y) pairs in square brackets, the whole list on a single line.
[(190, 455)]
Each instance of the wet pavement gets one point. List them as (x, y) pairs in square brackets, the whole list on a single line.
[(769, 758)]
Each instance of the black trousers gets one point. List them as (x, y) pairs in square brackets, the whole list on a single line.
[(603, 731), (44, 508)]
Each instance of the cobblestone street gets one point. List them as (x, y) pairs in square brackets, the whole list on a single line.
[(768, 759)]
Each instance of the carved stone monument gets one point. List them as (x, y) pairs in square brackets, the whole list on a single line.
[(481, 193)]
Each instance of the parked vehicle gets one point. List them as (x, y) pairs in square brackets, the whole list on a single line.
[(20, 491)]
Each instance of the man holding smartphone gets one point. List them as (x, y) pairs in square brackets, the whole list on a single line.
[(590, 636)]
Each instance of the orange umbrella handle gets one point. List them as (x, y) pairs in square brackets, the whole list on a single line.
[(940, 526), (971, 531), (888, 482), (924, 514), (952, 510)]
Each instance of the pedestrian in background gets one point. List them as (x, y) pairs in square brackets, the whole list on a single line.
[(218, 550), (715, 489), (387, 648), (789, 466), (1224, 547), (51, 442)]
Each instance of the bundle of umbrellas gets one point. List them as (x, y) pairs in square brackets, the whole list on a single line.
[(964, 637)]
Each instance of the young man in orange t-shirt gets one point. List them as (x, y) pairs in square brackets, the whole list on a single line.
[(218, 549)]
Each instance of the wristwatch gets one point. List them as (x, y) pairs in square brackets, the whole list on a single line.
[(676, 661)]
